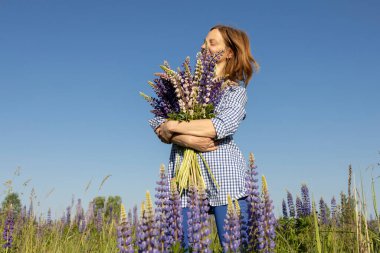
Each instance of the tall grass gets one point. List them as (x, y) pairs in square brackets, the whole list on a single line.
[(334, 228), (342, 228)]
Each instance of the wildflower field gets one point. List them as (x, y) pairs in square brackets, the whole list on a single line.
[(306, 225)]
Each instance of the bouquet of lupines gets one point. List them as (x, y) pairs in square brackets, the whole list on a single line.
[(184, 96)]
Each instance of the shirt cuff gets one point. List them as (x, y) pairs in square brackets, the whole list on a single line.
[(156, 122), (219, 128)]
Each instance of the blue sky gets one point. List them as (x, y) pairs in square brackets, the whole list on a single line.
[(71, 71)]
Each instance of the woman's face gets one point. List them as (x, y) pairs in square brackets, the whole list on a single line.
[(215, 43)]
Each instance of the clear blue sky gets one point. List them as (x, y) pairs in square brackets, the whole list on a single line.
[(71, 71)]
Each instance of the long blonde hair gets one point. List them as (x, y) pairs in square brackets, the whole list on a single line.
[(242, 65)]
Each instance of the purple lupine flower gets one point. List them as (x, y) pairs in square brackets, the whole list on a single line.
[(194, 219), (82, 225), (162, 212), (23, 214), (79, 216), (110, 209), (232, 228), (30, 210), (129, 216), (99, 220), (306, 207), (322, 211), (68, 215), (8, 229), (333, 206), (49, 221), (209, 91), (255, 218), (89, 218), (40, 228), (205, 230), (284, 209), (175, 217), (63, 219), (292, 212), (124, 233), (299, 208), (243, 227), (333, 209), (146, 232), (269, 219), (167, 99), (135, 217)]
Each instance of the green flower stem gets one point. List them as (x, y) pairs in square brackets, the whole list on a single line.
[(209, 171), (190, 171)]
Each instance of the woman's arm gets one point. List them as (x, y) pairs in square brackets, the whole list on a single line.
[(200, 127), (202, 144)]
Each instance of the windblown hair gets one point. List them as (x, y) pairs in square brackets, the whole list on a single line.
[(242, 65)]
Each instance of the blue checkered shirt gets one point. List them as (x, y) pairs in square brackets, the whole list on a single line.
[(227, 163)]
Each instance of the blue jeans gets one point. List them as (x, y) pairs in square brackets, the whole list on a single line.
[(220, 213)]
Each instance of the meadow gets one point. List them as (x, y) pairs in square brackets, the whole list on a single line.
[(306, 225)]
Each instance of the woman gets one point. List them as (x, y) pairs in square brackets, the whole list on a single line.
[(214, 137)]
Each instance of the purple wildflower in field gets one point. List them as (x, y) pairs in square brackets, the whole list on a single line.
[(269, 219), (333, 206), (284, 209), (334, 210), (63, 219), (124, 233), (299, 208), (306, 206), (82, 226), (40, 228), (31, 211), (194, 219), (23, 214), (232, 228), (135, 222), (175, 218), (243, 227), (292, 212), (162, 212), (8, 229), (205, 230), (68, 215), (129, 215), (49, 221), (110, 216), (79, 216), (322, 211), (99, 220), (255, 231), (146, 232), (89, 217)]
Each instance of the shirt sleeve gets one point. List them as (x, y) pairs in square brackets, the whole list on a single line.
[(231, 112), (156, 122)]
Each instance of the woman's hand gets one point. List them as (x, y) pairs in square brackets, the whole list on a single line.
[(163, 135), (165, 130)]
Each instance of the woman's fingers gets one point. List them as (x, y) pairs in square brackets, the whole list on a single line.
[(161, 135)]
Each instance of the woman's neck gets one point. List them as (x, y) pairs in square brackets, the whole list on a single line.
[(219, 69)]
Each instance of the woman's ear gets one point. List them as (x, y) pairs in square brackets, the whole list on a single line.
[(230, 53)]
